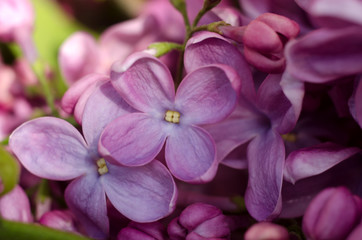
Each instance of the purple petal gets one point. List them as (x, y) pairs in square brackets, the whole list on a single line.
[(355, 102), (314, 160), (50, 148), (103, 106), (78, 56), (210, 48), (321, 55), (206, 95), (144, 82), (150, 189), (266, 155), (132, 140), (77, 95), (244, 123), (275, 104), (190, 154), (87, 200)]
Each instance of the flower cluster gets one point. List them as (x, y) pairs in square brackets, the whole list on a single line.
[(190, 119)]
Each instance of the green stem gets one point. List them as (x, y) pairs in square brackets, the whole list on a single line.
[(22, 231), (49, 98)]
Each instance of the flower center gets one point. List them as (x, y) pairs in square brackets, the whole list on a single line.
[(172, 116), (102, 166), (289, 137)]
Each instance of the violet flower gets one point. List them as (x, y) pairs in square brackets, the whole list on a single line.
[(332, 214), (206, 95), (62, 220), (59, 152), (16, 24), (200, 221)]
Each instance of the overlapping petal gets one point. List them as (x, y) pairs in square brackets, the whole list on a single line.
[(314, 160), (210, 48), (322, 56), (144, 82), (86, 198), (143, 194), (206, 95), (190, 154), (58, 152), (266, 156), (132, 140), (108, 104)]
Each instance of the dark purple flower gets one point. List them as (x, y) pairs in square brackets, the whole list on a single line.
[(144, 231), (332, 214), (200, 221), (206, 95), (59, 152)]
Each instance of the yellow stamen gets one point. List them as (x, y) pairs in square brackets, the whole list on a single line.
[(172, 116), (289, 137), (102, 166)]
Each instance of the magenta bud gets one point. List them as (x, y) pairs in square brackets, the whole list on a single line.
[(266, 230), (145, 231), (15, 206), (62, 220), (332, 214), (264, 39), (199, 221)]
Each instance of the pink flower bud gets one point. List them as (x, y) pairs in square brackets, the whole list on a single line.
[(16, 24), (199, 221), (266, 230), (145, 231), (62, 220), (332, 214)]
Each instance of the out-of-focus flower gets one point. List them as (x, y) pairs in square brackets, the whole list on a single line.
[(62, 220), (60, 152), (206, 95), (266, 230), (16, 24), (332, 214), (200, 221), (15, 206), (144, 231)]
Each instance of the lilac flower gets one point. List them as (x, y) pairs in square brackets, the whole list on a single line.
[(266, 230), (200, 221), (332, 214), (16, 24), (145, 231), (62, 220), (204, 96), (59, 152), (15, 206)]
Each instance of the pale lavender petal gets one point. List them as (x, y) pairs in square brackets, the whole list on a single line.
[(50, 148), (15, 206), (103, 106), (210, 48), (132, 140), (206, 95), (142, 194), (314, 160), (275, 104), (76, 96), (321, 55), (266, 156), (78, 56), (144, 82), (87, 200), (190, 154)]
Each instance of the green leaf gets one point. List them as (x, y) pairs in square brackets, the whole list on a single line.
[(9, 171)]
